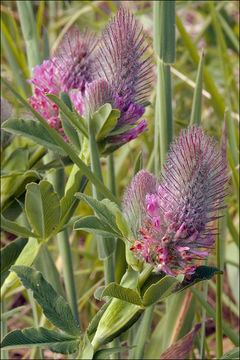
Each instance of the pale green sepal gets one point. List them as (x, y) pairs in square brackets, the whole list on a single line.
[(104, 120), (86, 351)]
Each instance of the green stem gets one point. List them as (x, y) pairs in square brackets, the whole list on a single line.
[(68, 274), (111, 181), (220, 257), (37, 155), (204, 312)]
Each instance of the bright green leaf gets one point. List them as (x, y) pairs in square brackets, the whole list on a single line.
[(93, 225), (101, 210), (42, 208)]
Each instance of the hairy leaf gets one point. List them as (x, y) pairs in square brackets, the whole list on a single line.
[(33, 130), (49, 339), (54, 305)]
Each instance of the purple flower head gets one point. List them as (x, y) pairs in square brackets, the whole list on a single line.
[(123, 77), (121, 60), (170, 218), (46, 79), (75, 59)]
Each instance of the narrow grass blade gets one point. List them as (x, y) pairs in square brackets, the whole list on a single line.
[(197, 96), (29, 33)]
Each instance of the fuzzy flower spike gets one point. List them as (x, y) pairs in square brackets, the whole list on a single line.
[(70, 68), (75, 59), (170, 219), (125, 72)]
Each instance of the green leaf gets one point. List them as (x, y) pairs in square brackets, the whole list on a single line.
[(9, 254), (49, 339), (93, 225), (152, 279), (76, 121), (42, 208), (54, 306), (33, 130), (104, 120), (102, 211), (197, 96), (76, 182), (104, 353), (202, 273), (26, 257), (69, 130), (159, 290), (122, 293), (15, 228), (122, 224), (232, 354)]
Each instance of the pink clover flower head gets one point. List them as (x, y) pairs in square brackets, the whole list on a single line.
[(75, 59), (46, 79), (170, 218)]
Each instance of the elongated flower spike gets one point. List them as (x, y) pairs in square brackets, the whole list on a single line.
[(126, 75), (170, 218), (75, 59), (121, 60)]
